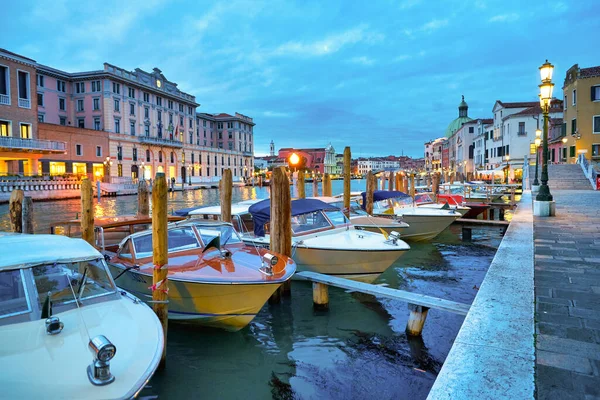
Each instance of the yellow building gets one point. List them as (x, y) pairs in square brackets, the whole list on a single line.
[(581, 116)]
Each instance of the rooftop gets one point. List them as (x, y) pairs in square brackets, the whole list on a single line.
[(589, 72)]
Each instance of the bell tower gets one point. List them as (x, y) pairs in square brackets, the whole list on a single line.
[(272, 154)]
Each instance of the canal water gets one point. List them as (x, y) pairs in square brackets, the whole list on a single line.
[(356, 350)]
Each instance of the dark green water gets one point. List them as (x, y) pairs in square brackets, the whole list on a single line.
[(356, 350)]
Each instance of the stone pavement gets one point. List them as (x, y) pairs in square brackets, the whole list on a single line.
[(567, 295)]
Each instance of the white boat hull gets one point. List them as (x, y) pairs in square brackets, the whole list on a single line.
[(421, 227)]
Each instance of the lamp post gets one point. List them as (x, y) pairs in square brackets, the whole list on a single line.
[(107, 165), (564, 141), (538, 141), (545, 98), (507, 167)]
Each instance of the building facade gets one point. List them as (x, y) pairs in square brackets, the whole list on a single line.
[(20, 147), (581, 125), (319, 160)]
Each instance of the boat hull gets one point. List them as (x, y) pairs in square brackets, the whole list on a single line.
[(420, 227), (225, 306), (475, 210)]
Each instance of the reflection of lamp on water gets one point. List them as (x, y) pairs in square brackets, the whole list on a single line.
[(538, 141)]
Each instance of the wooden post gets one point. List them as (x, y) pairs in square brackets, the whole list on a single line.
[(143, 199), (412, 185), (435, 186), (160, 255), (392, 181), (492, 210), (225, 187), (485, 214), (87, 211), (320, 296), (300, 182), (405, 183), (347, 162), (512, 196), (369, 194), (501, 214), (98, 190), (27, 215), (326, 185), (416, 320), (398, 180), (466, 234), (316, 186), (15, 207), (281, 221)]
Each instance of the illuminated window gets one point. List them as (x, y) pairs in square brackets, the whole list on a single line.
[(25, 131)]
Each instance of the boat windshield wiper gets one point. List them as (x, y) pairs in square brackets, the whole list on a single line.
[(81, 284)]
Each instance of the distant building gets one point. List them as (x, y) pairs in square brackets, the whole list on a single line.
[(581, 125), (463, 111), (320, 160), (433, 155)]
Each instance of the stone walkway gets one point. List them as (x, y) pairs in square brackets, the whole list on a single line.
[(567, 294)]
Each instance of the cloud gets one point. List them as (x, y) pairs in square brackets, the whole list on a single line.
[(406, 4), (504, 18), (330, 44), (362, 60), (277, 114), (434, 25), (406, 57)]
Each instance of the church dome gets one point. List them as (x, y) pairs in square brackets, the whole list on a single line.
[(463, 117)]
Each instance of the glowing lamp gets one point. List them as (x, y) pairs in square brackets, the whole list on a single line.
[(294, 159), (546, 91), (546, 71), (538, 133), (538, 141), (564, 140)]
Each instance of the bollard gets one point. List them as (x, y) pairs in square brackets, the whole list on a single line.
[(27, 215), (347, 165), (281, 223), (87, 211), (320, 296), (416, 319), (225, 188), (466, 234), (15, 209), (160, 255), (369, 194)]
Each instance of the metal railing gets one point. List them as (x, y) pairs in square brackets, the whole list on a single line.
[(36, 144), (25, 103), (5, 99), (160, 141), (588, 169)]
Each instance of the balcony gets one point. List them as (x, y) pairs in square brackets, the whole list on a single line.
[(5, 99), (24, 103), (161, 141), (43, 146)]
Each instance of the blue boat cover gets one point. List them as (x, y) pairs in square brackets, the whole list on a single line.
[(184, 211), (261, 211), (379, 195)]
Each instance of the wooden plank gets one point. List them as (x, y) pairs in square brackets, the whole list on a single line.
[(481, 222), (409, 297)]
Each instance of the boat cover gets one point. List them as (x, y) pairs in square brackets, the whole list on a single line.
[(261, 211), (379, 195), (184, 211)]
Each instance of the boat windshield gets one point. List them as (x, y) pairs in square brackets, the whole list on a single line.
[(13, 298), (337, 217), (180, 238), (309, 222), (87, 280), (423, 198), (388, 205), (226, 232), (355, 209)]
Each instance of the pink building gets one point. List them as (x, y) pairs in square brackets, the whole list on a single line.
[(321, 160)]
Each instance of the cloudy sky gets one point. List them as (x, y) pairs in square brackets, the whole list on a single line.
[(379, 76)]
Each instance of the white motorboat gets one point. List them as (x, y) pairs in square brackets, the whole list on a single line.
[(424, 200), (323, 239), (473, 191), (424, 223), (67, 331)]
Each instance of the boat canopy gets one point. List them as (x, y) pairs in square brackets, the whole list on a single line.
[(24, 251), (261, 211), (184, 211), (379, 195)]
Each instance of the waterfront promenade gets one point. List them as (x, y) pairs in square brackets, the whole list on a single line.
[(567, 295)]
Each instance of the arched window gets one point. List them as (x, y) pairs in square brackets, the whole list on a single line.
[(147, 155), (160, 156), (172, 157)]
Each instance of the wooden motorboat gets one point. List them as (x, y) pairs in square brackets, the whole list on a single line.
[(214, 278), (67, 331)]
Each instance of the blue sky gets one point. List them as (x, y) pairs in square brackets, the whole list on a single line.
[(379, 76)]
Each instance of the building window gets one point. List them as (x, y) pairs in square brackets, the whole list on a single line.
[(119, 170), (190, 110), (147, 155), (181, 121), (40, 99), (96, 103), (97, 123), (23, 87), (181, 108), (132, 93), (116, 88), (147, 97), (521, 131), (170, 118), (595, 93), (78, 150), (131, 108), (61, 86), (4, 85), (40, 80), (117, 106), (596, 124), (170, 103), (79, 87), (25, 131), (574, 96), (132, 128), (40, 117), (204, 124), (96, 86), (98, 151), (147, 130), (596, 150), (119, 153), (172, 157), (80, 105), (159, 101), (572, 151), (63, 120), (81, 122), (134, 154), (160, 156), (146, 112), (191, 122), (117, 126), (573, 126)]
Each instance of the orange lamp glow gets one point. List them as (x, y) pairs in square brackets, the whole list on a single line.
[(294, 159)]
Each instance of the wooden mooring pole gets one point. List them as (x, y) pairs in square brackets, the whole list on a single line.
[(412, 185), (143, 199), (27, 215), (392, 181), (369, 194), (300, 182), (15, 209), (326, 185), (281, 223), (347, 164), (416, 319), (435, 186), (160, 255), (315, 186), (225, 188), (87, 211), (320, 296)]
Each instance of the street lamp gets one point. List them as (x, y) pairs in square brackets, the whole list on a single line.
[(545, 99), (507, 167), (294, 160), (107, 165)]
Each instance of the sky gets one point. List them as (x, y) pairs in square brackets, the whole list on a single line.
[(381, 77)]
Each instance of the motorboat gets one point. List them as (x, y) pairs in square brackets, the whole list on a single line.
[(473, 192), (423, 223), (424, 200), (67, 331), (214, 279), (456, 199), (323, 239)]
